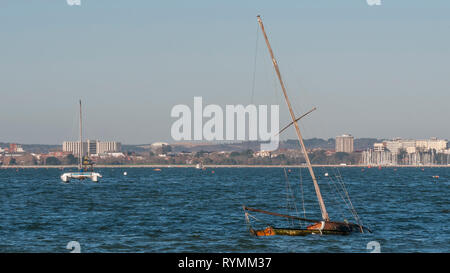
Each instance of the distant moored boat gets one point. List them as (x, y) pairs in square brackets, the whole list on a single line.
[(85, 166)]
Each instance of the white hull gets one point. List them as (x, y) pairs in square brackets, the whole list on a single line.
[(95, 177)]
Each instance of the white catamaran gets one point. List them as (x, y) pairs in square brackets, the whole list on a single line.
[(85, 166)]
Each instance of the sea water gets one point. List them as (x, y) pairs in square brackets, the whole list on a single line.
[(190, 210)]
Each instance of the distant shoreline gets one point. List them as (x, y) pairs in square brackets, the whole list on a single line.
[(219, 166)]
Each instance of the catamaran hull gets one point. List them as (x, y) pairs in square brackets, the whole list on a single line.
[(95, 177)]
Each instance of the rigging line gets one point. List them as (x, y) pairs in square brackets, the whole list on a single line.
[(303, 91), (303, 197), (247, 220), (345, 201), (254, 65), (281, 215), (344, 189), (342, 185), (338, 190), (293, 198), (254, 73), (334, 200), (268, 81), (295, 105), (348, 197), (286, 84), (275, 87), (289, 190), (287, 196)]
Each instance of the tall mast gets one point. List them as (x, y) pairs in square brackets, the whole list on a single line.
[(297, 129), (81, 141)]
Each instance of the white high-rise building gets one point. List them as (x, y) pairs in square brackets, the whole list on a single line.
[(74, 147), (344, 144), (411, 146), (378, 147), (91, 147), (104, 147), (432, 144)]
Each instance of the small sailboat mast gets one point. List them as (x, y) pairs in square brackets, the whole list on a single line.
[(80, 154), (297, 128), (85, 167)]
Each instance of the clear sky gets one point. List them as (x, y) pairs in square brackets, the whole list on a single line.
[(372, 71)]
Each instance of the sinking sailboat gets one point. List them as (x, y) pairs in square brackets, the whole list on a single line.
[(323, 226), (85, 165)]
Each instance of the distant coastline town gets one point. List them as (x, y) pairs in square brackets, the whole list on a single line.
[(343, 150)]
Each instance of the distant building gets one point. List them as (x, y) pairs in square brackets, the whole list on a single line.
[(156, 145), (262, 154), (104, 147), (107, 155), (116, 155), (378, 147), (160, 148), (74, 147), (411, 146), (432, 144), (12, 148), (394, 146), (344, 143), (409, 152), (92, 147), (15, 148)]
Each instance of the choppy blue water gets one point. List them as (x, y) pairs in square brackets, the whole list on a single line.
[(189, 210)]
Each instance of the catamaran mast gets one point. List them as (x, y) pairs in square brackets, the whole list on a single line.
[(297, 129), (81, 142)]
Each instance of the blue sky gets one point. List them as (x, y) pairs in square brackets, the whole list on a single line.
[(372, 71)]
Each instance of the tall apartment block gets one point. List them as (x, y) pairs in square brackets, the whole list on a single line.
[(344, 143)]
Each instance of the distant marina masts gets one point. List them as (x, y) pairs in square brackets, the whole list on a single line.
[(408, 152)]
